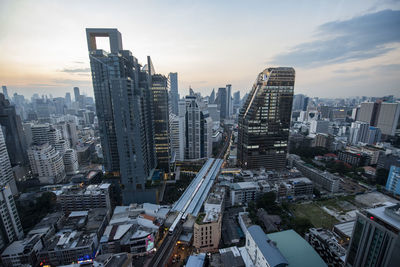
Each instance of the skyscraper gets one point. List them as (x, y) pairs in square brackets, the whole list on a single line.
[(5, 92), (13, 132), (198, 132), (159, 92), (123, 105), (211, 100), (76, 94), (173, 78), (229, 105), (264, 120), (223, 102), (10, 225), (359, 132), (375, 240)]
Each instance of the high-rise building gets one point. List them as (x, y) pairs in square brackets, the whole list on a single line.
[(375, 240), (374, 135), (177, 129), (46, 163), (319, 126), (211, 99), (236, 98), (123, 105), (298, 101), (13, 133), (388, 118), (5, 92), (198, 132), (222, 101), (393, 180), (68, 100), (70, 161), (264, 120), (11, 228), (40, 133), (229, 105), (76, 94), (358, 132), (159, 92), (173, 78)]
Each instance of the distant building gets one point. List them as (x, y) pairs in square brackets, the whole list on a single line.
[(173, 78), (359, 132), (177, 134), (318, 126), (393, 180), (375, 240), (264, 120), (354, 158)]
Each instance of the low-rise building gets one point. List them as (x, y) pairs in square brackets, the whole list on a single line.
[(75, 198)]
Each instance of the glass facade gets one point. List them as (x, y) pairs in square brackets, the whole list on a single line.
[(264, 120)]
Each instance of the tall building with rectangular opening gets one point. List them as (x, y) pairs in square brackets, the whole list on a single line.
[(124, 110), (264, 120)]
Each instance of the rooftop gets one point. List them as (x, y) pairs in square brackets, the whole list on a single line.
[(389, 213), (196, 260), (296, 250), (270, 252)]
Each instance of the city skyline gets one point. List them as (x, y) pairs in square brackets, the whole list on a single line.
[(205, 50)]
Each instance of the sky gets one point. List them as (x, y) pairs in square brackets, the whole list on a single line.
[(338, 48)]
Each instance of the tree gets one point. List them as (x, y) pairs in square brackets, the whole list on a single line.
[(301, 225)]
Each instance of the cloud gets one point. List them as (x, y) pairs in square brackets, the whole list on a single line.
[(361, 37), (378, 68), (76, 70)]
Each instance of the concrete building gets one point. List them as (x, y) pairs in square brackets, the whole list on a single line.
[(6, 173), (198, 132), (359, 132), (319, 126), (327, 245), (375, 240), (222, 101), (177, 134), (46, 163), (296, 189), (75, 198), (388, 118), (264, 120), (13, 133), (262, 251), (71, 161), (40, 133), (325, 180), (393, 180), (124, 111), (244, 192)]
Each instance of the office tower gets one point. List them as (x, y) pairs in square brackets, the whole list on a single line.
[(173, 78), (229, 105), (46, 163), (124, 110), (177, 129), (374, 135), (388, 118), (5, 92), (222, 101), (375, 240), (198, 132), (76, 94), (13, 133), (214, 112), (10, 228), (298, 101), (264, 120), (236, 98), (72, 134), (368, 112), (68, 100), (318, 126), (358, 132), (159, 92), (211, 99)]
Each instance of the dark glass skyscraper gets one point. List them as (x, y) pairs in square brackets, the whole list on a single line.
[(124, 111), (264, 120), (13, 132), (173, 77), (159, 92)]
